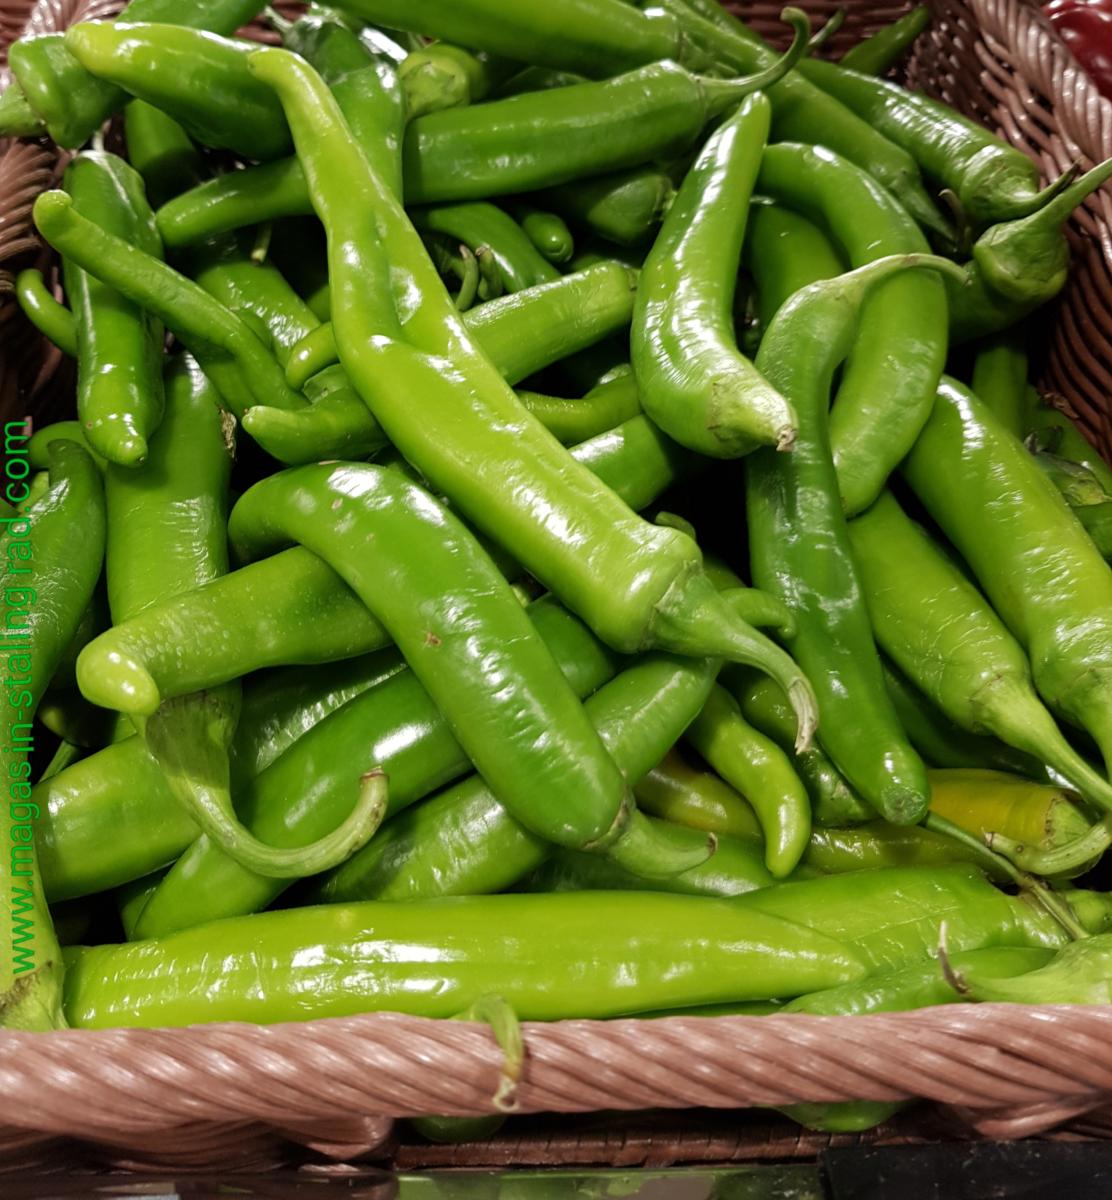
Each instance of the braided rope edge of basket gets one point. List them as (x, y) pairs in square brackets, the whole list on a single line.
[(236, 1095)]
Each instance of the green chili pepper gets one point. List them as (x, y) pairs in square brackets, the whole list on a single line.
[(764, 706), (900, 349), (50, 317), (161, 151), (52, 560), (226, 347), (992, 180), (394, 723), (801, 112), (367, 84), (676, 791), (440, 627), (546, 230), (293, 609), (1000, 380), (459, 949), (467, 153), (790, 498), (920, 985), (892, 917), (595, 37), (196, 77), (778, 274), (735, 869), (256, 292), (624, 207), (560, 521), (1019, 265), (567, 133), (944, 744), (761, 772), (60, 431), (17, 118), (999, 510), (947, 639), (694, 382), (518, 261), (72, 103), (601, 409), (1054, 431), (111, 818), (877, 844), (119, 398), (463, 842), (878, 54), (537, 79), (520, 334)]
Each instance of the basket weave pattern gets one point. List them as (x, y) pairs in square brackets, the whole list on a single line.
[(237, 1096)]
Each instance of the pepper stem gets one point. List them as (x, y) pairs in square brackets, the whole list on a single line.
[(652, 849), (1051, 903), (1060, 860), (695, 619), (721, 94), (1019, 719), (189, 738)]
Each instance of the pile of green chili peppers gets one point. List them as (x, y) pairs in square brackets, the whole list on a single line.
[(554, 524)]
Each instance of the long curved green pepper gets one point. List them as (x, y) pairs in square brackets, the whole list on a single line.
[(194, 76), (529, 738), (764, 706), (790, 499), (778, 273), (72, 103), (228, 350), (594, 37), (950, 643), (991, 500), (294, 609), (676, 791), (879, 53), (993, 181), (304, 791), (603, 408), (694, 381), (899, 353), (624, 207), (162, 152), (735, 869), (344, 959), (502, 469), (42, 308), (761, 772), (52, 557), (479, 224), (520, 334), (801, 112), (119, 347), (1019, 265)]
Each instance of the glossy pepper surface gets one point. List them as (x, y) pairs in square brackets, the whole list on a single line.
[(500, 450), (694, 382)]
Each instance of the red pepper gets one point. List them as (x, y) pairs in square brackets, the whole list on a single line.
[(1086, 28)]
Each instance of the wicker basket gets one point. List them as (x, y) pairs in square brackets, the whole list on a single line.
[(236, 1096)]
